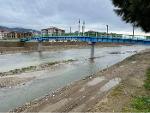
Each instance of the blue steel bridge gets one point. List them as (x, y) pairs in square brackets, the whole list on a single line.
[(88, 39)]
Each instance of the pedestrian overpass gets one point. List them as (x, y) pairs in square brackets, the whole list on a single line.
[(91, 40)]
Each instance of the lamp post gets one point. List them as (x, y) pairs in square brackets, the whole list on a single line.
[(107, 30), (133, 31), (79, 28), (83, 28), (70, 30)]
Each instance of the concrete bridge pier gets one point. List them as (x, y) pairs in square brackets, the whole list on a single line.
[(39, 48), (92, 44)]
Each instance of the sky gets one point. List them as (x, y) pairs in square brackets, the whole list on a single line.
[(39, 14)]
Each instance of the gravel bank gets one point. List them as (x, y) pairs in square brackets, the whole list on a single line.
[(14, 77)]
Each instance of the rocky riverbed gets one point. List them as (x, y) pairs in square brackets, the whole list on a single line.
[(13, 77)]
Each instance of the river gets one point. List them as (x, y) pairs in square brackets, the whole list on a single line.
[(47, 81)]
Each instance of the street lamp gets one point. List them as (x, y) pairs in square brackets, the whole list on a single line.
[(83, 28), (79, 28), (133, 31), (107, 30), (70, 30)]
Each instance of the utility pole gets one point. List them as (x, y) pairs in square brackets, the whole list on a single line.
[(107, 30), (83, 28), (79, 28), (70, 30), (96, 34), (133, 31)]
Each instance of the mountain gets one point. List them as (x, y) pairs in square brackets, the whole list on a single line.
[(18, 29)]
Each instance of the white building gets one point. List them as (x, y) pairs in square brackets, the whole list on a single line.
[(52, 31), (3, 34)]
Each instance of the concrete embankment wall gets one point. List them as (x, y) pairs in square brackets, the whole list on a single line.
[(35, 44), (29, 46), (10, 44), (32, 46)]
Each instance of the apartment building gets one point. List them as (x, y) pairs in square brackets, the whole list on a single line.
[(52, 31), (18, 35), (3, 34)]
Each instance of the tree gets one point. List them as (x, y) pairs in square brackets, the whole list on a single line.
[(136, 12)]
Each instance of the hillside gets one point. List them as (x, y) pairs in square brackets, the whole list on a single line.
[(18, 29)]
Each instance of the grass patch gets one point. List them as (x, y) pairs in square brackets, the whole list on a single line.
[(118, 91), (147, 81), (142, 104)]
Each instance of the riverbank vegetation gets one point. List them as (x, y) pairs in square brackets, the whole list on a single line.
[(142, 103)]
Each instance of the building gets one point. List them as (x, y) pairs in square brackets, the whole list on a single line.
[(12, 35), (36, 33), (6, 34), (53, 31), (24, 34), (18, 35), (3, 34)]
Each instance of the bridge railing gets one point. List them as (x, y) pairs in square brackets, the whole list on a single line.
[(97, 35), (80, 37)]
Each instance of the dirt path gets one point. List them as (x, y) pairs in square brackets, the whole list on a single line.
[(94, 93)]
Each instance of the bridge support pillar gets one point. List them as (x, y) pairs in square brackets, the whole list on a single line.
[(92, 44), (39, 48)]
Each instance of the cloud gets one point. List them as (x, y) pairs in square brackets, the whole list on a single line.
[(39, 14)]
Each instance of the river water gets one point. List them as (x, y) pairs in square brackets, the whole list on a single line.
[(50, 80)]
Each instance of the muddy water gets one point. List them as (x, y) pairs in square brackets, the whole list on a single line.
[(47, 81)]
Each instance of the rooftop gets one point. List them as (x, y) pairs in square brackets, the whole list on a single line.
[(53, 28)]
